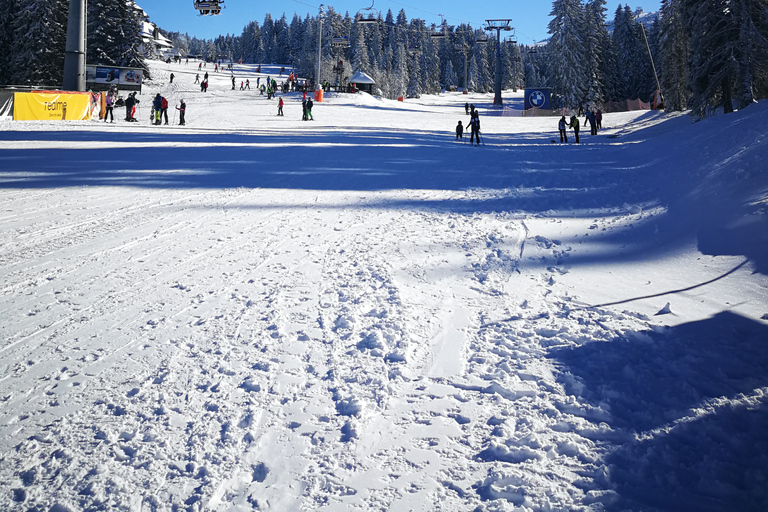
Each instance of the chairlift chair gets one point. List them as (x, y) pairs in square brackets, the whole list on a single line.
[(208, 7), (367, 15), (439, 34)]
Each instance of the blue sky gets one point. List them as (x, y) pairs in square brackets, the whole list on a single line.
[(530, 18)]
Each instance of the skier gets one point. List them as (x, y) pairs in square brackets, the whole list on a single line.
[(130, 105), (599, 119), (592, 123), (459, 131), (466, 108), (304, 109), (164, 109), (200, 67), (182, 110), (233, 82), (474, 125), (309, 110), (110, 103), (205, 76), (248, 84), (280, 106), (561, 126), (575, 125), (242, 85), (157, 106), (197, 78), (171, 77)]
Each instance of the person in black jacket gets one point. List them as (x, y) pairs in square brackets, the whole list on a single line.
[(182, 110), (129, 103), (474, 125), (459, 131)]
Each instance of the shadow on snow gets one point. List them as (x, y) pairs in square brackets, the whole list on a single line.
[(693, 408)]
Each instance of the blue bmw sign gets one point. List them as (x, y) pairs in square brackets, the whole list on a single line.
[(536, 98)]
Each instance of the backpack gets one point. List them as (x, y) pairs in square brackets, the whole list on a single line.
[(164, 103)]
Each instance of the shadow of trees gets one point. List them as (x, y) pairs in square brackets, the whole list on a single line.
[(695, 400)]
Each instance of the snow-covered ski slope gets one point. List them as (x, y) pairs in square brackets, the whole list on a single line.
[(252, 312)]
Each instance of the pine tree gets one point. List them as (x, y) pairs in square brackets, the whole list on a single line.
[(596, 44), (450, 79), (360, 60), (6, 39), (567, 52), (39, 39)]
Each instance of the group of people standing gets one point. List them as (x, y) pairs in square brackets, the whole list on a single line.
[(160, 110), (474, 125), (593, 117)]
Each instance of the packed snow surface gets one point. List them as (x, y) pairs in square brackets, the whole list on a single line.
[(254, 312)]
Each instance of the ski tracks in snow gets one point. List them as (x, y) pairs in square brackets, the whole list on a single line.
[(237, 352)]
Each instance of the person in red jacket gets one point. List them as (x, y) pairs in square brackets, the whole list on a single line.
[(280, 106), (164, 109)]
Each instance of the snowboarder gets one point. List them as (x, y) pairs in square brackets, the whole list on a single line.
[(182, 110), (309, 110), (110, 101), (575, 125), (561, 126), (474, 125), (280, 106), (459, 131), (172, 77)]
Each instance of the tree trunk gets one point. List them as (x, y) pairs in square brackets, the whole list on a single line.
[(727, 96)]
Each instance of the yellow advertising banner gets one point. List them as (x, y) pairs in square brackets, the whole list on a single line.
[(51, 106)]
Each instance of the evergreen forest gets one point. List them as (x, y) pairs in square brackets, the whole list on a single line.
[(702, 56)]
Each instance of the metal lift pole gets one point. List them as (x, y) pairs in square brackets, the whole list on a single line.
[(74, 52), (318, 86)]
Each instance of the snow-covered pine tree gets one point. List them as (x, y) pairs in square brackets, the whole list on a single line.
[(480, 78), (414, 76), (39, 38), (267, 39), (674, 50), (567, 52), (6, 39), (596, 46), (713, 67), (359, 49), (729, 52), (129, 41), (399, 71), (450, 78), (282, 41)]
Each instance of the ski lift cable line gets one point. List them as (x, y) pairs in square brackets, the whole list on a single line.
[(430, 12)]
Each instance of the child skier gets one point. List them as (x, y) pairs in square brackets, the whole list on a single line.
[(459, 131)]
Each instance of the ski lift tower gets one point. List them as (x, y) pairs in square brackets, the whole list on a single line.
[(339, 44), (74, 54), (321, 17), (498, 26)]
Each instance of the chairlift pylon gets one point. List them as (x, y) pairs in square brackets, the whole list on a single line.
[(367, 15), (208, 7)]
